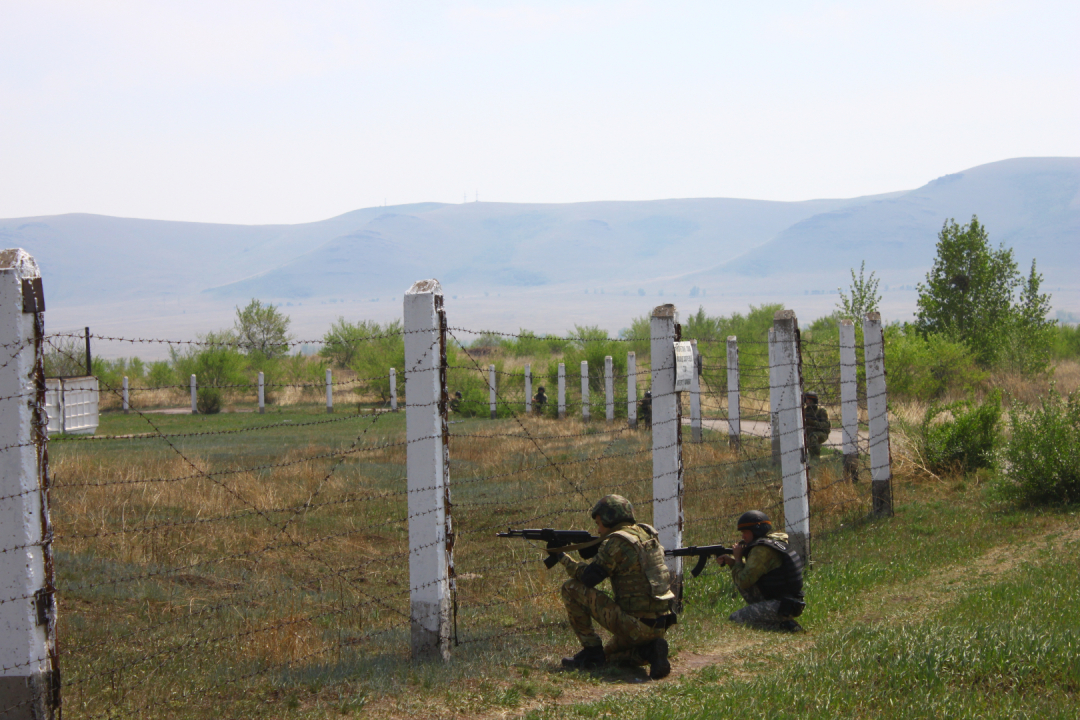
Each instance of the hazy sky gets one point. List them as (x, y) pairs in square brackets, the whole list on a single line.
[(267, 112)]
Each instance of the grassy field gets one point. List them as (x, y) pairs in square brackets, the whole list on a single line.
[(245, 565)]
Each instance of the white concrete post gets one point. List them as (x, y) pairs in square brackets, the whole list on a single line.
[(609, 390), (393, 390), (774, 398), (877, 408), (792, 436), (631, 389), (329, 390), (491, 391), (734, 415), (127, 405), (430, 539), (528, 389), (262, 393), (849, 400), (562, 391), (667, 437), (194, 396), (585, 390), (29, 674), (695, 397)]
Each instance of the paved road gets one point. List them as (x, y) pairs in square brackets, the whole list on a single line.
[(760, 428)]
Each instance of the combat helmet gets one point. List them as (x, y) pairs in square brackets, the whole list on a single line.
[(756, 522), (612, 510)]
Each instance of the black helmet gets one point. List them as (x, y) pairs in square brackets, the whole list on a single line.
[(811, 396), (756, 522), (541, 389), (648, 393)]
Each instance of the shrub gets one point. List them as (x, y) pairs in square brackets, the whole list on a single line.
[(208, 401), (1043, 452), (159, 373), (928, 367), (961, 436)]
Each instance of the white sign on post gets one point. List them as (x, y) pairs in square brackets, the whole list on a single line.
[(684, 366)]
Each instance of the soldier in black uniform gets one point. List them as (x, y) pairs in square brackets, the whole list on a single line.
[(645, 409), (539, 401)]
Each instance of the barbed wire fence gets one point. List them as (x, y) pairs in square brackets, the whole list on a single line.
[(230, 571)]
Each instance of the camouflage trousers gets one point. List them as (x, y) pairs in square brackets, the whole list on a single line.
[(585, 604), (758, 612)]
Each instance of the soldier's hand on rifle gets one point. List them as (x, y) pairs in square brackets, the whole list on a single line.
[(737, 551)]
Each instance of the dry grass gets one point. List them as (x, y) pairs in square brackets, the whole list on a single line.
[(196, 582)]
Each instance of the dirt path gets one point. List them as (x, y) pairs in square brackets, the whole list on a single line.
[(907, 602)]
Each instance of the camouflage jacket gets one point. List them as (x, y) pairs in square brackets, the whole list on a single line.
[(619, 558), (816, 420), (756, 563)]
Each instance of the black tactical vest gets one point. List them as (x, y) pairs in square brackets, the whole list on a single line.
[(786, 580)]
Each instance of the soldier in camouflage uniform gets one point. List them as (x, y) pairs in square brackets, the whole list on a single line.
[(816, 424), (631, 558), (768, 574)]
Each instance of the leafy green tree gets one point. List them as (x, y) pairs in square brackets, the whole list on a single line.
[(864, 297), (261, 328), (970, 295)]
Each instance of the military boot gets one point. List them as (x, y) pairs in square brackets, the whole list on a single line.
[(589, 657), (655, 653)]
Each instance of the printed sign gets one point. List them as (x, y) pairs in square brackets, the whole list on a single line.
[(684, 366)]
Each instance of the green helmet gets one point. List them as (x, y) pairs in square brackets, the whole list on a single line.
[(612, 510)]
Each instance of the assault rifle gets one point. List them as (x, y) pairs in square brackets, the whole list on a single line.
[(702, 553), (559, 541)]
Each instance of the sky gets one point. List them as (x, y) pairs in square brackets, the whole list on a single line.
[(284, 112)]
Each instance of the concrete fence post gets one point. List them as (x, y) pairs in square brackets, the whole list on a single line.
[(329, 390), (528, 389), (609, 390), (29, 668), (262, 393), (585, 390), (877, 408), (667, 437), (427, 465), (695, 397), (492, 402), (393, 390), (796, 481), (562, 391), (849, 400), (734, 416), (631, 389), (194, 396), (774, 398), (127, 404)]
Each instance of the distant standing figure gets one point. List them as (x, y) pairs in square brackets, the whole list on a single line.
[(455, 402), (816, 423), (645, 409), (539, 401)]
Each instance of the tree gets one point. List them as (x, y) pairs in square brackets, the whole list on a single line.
[(864, 297), (971, 295), (261, 328)]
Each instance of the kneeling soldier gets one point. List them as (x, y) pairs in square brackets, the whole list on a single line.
[(768, 574), (631, 558)]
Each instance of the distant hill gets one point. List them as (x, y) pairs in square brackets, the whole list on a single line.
[(722, 246), (1030, 204)]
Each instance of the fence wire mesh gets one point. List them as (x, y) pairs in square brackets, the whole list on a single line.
[(216, 568)]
